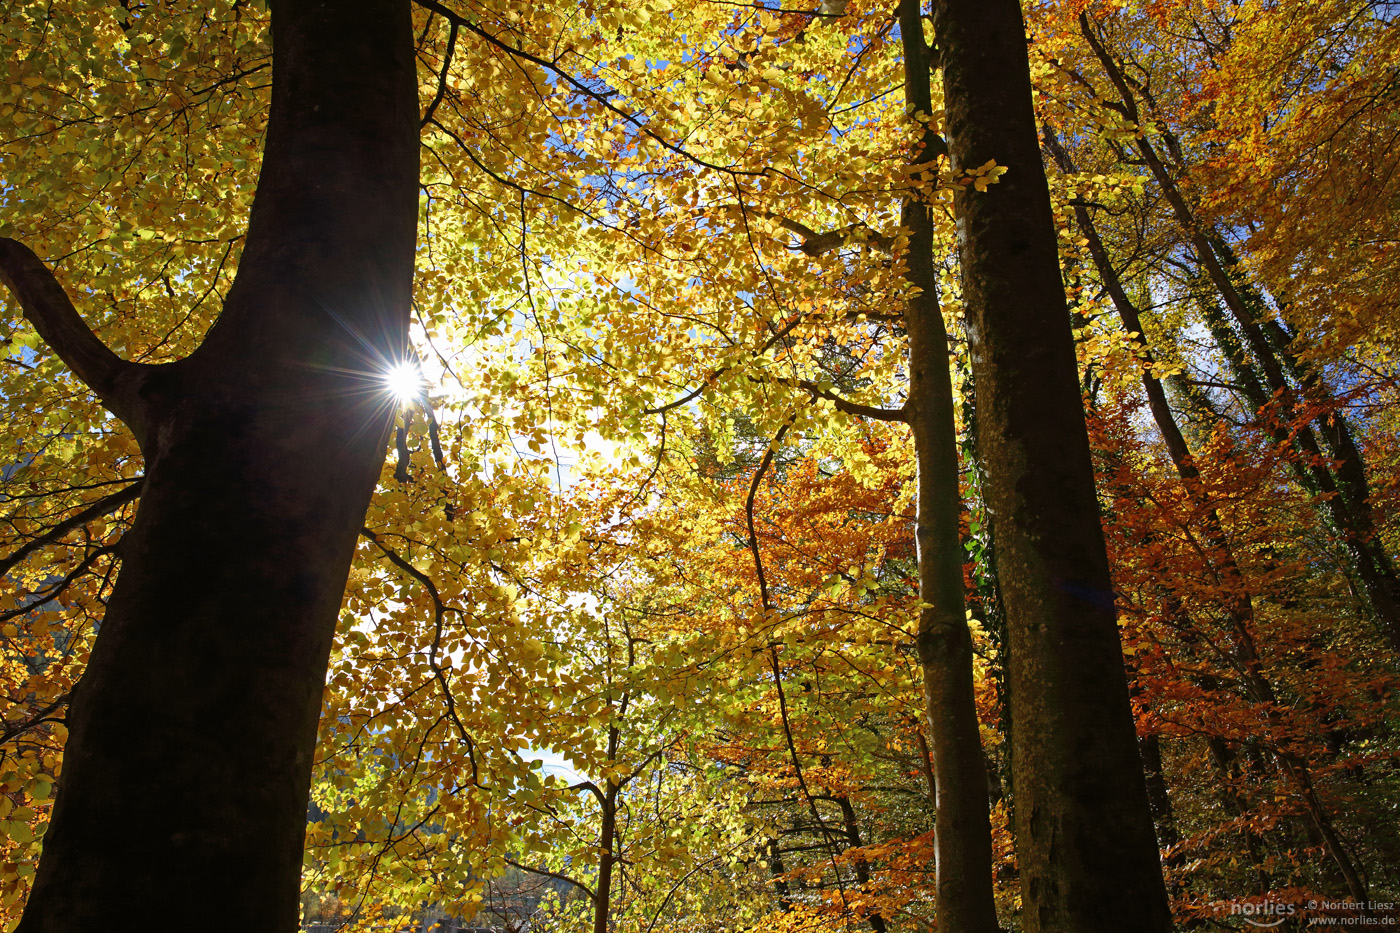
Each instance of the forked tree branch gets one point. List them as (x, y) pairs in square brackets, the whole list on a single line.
[(51, 311), (815, 244)]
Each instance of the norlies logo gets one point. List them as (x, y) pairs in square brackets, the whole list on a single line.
[(1262, 913)]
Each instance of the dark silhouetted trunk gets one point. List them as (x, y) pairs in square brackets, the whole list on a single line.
[(191, 735), (607, 856), (1085, 841), (964, 901), (861, 866), (1150, 747), (778, 870)]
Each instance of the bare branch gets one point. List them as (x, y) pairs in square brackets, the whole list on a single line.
[(103, 506), (51, 311), (848, 406), (573, 82), (815, 244), (549, 874)]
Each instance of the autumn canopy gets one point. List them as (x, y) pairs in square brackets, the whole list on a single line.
[(699, 466)]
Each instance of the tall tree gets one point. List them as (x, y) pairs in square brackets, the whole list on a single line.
[(963, 837), (191, 734), (1085, 840)]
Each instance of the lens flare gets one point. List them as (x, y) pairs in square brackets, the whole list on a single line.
[(405, 383)]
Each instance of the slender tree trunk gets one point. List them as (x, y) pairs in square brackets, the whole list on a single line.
[(607, 833), (962, 836), (1085, 840), (1244, 653), (191, 735), (1346, 503), (1224, 758), (777, 870), (1150, 747), (861, 866)]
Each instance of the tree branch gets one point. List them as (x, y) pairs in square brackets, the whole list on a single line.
[(38, 718), (715, 374), (49, 309), (748, 511), (848, 406), (442, 76), (590, 787), (58, 589), (440, 609), (549, 874), (573, 82), (108, 503), (815, 244)]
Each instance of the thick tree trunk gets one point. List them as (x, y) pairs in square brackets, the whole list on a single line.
[(191, 735), (1085, 840), (964, 901)]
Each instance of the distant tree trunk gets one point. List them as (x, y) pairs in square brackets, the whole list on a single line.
[(1150, 747), (1346, 495), (1242, 651), (1085, 842), (191, 735), (1224, 759), (964, 901), (777, 870), (861, 866)]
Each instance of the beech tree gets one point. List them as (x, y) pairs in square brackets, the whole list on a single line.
[(191, 733), (1088, 852), (739, 464)]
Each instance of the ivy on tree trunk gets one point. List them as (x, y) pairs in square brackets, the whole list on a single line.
[(1085, 842)]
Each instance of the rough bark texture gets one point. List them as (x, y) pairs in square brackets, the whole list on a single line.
[(188, 765), (1085, 841), (963, 846)]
